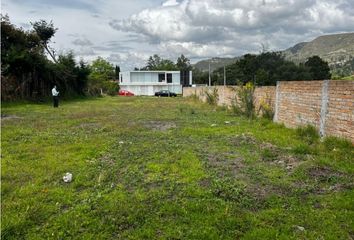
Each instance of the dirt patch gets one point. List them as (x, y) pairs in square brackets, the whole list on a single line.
[(160, 125), (205, 183), (89, 125), (324, 174), (289, 162), (243, 139), (324, 180), (224, 165), (9, 117), (107, 160), (262, 192), (277, 156)]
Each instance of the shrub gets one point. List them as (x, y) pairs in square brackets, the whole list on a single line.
[(110, 87), (308, 133), (96, 88), (333, 143), (243, 102), (212, 97), (265, 108), (194, 97)]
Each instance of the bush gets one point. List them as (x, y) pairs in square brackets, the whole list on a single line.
[(265, 108), (243, 102), (111, 88), (212, 97), (96, 88), (333, 143), (308, 133)]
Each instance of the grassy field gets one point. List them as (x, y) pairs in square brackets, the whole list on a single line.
[(159, 168)]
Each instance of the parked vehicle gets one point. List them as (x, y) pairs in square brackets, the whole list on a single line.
[(125, 93), (165, 93)]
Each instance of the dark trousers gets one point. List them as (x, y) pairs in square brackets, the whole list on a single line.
[(55, 101)]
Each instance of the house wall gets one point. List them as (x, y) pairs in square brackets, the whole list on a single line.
[(149, 90), (147, 83), (328, 105)]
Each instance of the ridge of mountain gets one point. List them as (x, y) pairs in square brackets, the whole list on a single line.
[(336, 49)]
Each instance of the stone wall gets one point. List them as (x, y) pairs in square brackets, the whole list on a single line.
[(328, 105)]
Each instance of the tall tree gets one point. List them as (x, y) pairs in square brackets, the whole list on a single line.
[(26, 71), (318, 68), (101, 76), (153, 62), (183, 63), (45, 32)]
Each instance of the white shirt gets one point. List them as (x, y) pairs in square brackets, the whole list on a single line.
[(55, 92)]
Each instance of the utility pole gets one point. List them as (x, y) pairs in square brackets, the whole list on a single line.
[(224, 77), (209, 75)]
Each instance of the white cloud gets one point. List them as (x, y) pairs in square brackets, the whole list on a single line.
[(210, 22), (82, 42), (169, 3)]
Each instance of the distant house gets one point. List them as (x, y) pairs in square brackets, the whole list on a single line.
[(149, 82)]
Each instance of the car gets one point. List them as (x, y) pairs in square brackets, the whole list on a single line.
[(165, 93), (125, 93)]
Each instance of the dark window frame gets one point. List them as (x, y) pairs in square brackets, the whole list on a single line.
[(169, 77), (161, 77)]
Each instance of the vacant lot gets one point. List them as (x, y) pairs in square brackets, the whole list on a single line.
[(158, 168)]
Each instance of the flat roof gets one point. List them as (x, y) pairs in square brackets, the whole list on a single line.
[(155, 71)]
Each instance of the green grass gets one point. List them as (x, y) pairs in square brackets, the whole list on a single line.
[(159, 168)]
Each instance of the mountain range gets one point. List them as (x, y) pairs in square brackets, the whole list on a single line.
[(336, 49)]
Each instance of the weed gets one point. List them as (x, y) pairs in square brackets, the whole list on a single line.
[(265, 108), (302, 149), (212, 97), (269, 155), (335, 144), (243, 102), (194, 97), (308, 133)]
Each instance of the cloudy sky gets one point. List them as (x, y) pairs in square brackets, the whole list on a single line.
[(127, 32)]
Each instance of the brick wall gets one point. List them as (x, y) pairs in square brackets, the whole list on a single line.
[(340, 110), (299, 103), (227, 94), (327, 105)]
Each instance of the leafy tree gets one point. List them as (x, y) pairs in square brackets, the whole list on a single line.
[(183, 63), (200, 77), (167, 65), (45, 32), (155, 62), (318, 68), (101, 78), (102, 69), (26, 71), (264, 69)]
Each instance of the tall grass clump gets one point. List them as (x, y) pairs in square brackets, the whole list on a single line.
[(308, 134), (265, 108), (243, 102), (212, 97)]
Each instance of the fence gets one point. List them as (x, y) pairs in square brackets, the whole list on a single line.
[(328, 105)]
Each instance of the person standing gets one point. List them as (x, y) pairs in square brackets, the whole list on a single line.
[(55, 94)]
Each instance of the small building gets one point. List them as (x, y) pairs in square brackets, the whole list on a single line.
[(149, 82)]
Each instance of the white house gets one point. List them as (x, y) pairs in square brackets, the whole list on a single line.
[(149, 82)]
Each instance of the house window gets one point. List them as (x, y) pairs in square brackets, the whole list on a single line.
[(161, 77), (169, 77), (121, 79)]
